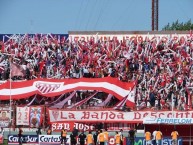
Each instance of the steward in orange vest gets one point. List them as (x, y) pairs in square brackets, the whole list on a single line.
[(63, 136)]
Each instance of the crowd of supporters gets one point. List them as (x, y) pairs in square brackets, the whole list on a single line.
[(161, 66)]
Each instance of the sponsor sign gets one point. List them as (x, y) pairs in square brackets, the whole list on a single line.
[(52, 139), (165, 141), (5, 116), (112, 116), (22, 115), (168, 121), (28, 139)]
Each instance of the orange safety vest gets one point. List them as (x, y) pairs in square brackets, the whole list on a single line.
[(117, 139), (101, 137), (64, 133), (174, 135), (89, 139), (158, 135), (106, 136), (147, 136)]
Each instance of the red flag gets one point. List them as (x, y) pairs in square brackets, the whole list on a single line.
[(16, 70)]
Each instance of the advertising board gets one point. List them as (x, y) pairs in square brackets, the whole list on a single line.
[(26, 139)]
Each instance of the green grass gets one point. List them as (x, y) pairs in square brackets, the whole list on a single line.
[(5, 142)]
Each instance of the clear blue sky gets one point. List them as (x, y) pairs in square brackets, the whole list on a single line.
[(61, 16)]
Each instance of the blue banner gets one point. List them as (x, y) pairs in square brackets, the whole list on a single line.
[(13, 139), (165, 141)]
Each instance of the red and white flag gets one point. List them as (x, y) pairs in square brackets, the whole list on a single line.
[(55, 87)]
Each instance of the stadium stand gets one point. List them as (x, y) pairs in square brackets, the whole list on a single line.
[(162, 67)]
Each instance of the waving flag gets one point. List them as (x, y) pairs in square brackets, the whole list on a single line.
[(61, 104), (109, 97), (55, 87), (82, 101)]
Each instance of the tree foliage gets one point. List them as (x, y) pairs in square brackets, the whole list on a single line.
[(179, 26)]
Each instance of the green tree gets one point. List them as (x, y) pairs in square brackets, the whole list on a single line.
[(179, 26)]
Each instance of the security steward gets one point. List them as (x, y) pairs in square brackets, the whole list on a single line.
[(101, 137), (89, 138), (63, 136)]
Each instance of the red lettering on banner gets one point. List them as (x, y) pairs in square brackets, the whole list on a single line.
[(179, 115), (145, 114), (161, 114), (83, 38), (63, 117), (86, 115), (106, 115), (153, 114), (187, 114), (137, 115), (71, 116), (169, 115), (120, 116), (76, 39), (95, 115), (112, 115)]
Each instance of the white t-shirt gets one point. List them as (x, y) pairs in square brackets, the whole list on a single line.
[(154, 134)]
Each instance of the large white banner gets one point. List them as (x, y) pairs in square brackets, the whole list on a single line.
[(124, 37), (22, 115), (112, 116)]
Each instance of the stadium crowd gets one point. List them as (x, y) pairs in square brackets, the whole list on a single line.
[(162, 67)]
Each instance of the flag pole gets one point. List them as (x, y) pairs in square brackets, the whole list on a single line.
[(172, 106), (10, 93)]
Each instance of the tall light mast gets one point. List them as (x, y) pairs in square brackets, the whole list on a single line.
[(154, 15)]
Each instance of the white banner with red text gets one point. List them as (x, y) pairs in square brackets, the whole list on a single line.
[(55, 87), (124, 37), (112, 116), (29, 116)]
